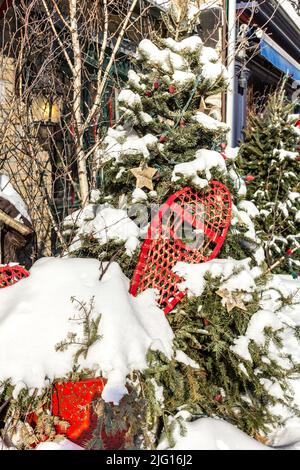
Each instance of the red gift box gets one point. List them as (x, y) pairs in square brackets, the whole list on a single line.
[(73, 402)]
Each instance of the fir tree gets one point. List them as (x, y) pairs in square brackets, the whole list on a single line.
[(270, 155), (163, 129)]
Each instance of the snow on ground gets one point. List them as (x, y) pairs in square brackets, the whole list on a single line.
[(35, 315), (8, 192), (65, 444), (212, 434)]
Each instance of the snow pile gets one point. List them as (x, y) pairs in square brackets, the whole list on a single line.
[(283, 154), (238, 181), (205, 160), (170, 61), (102, 223), (36, 313), (10, 194), (189, 44), (209, 123), (121, 142), (255, 332), (211, 434), (183, 78), (243, 215), (64, 444), (214, 71), (232, 153), (249, 208), (130, 98), (194, 275), (208, 55)]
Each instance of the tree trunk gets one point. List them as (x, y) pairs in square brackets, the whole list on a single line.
[(77, 77)]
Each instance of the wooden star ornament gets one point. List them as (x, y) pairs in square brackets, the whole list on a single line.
[(232, 300), (144, 175)]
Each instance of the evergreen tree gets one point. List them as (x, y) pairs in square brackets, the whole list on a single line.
[(270, 155), (166, 118), (163, 130), (162, 122), (228, 355), (165, 136)]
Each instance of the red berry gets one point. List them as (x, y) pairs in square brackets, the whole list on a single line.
[(223, 146), (182, 123), (218, 398), (205, 321), (289, 251), (249, 178), (162, 139), (156, 84), (148, 93), (172, 89), (297, 158)]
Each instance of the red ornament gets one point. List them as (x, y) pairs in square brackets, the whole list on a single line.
[(73, 402), (156, 84), (148, 93), (249, 178), (162, 139), (289, 251), (297, 123), (172, 89), (218, 398), (209, 214), (9, 275)]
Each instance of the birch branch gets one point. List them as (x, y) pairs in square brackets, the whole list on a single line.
[(102, 83), (69, 62)]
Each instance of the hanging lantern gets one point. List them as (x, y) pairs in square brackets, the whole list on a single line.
[(46, 109)]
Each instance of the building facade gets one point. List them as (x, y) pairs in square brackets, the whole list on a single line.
[(267, 50)]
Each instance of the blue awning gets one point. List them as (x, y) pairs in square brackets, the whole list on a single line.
[(278, 60)]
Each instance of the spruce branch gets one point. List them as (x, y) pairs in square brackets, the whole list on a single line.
[(90, 330)]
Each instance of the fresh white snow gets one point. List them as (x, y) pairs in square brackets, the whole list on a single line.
[(8, 192), (194, 274), (212, 434), (205, 160), (103, 223), (35, 315), (209, 123)]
